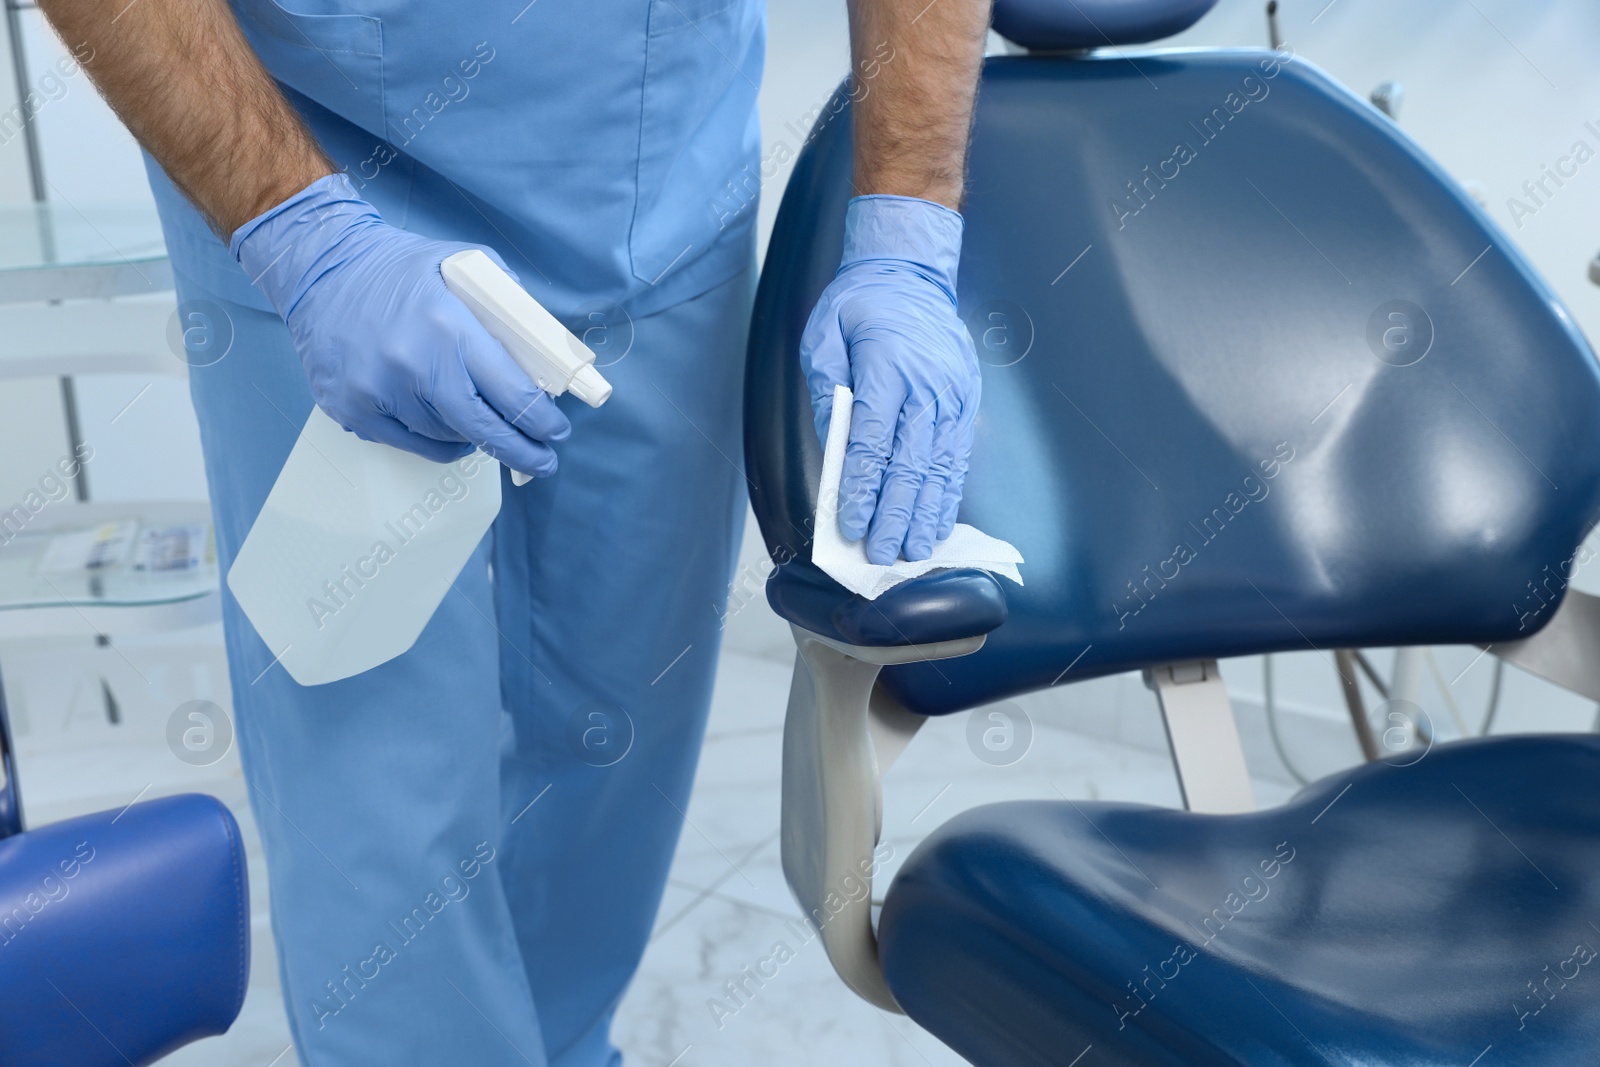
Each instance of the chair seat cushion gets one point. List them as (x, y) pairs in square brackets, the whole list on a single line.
[(1441, 913)]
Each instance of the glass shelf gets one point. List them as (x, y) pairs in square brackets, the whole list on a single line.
[(61, 252), (40, 568)]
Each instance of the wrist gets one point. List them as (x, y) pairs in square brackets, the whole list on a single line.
[(291, 179), (279, 247), (922, 233)]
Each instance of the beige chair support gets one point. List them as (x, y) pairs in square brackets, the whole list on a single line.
[(1212, 775), (839, 738), (1567, 651), (841, 735)]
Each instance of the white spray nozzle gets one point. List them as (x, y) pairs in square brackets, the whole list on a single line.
[(548, 352)]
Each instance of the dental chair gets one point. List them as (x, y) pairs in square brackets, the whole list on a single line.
[(123, 934), (1258, 377)]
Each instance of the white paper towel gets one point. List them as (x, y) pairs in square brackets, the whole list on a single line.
[(846, 561)]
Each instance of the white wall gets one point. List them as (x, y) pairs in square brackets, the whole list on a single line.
[(1494, 89)]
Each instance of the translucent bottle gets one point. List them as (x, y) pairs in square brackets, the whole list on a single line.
[(359, 542)]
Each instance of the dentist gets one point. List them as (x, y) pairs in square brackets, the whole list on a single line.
[(466, 847)]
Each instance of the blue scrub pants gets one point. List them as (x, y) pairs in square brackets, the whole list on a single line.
[(467, 846)]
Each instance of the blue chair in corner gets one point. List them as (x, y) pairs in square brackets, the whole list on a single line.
[(124, 935), (1258, 377)]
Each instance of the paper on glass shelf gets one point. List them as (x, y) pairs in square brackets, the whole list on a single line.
[(846, 561), (90, 549)]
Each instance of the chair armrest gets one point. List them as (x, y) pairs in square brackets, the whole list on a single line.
[(942, 606)]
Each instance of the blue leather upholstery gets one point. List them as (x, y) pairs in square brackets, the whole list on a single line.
[(1065, 25), (1414, 920), (122, 935), (1181, 336)]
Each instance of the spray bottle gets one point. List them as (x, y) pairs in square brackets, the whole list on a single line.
[(359, 542)]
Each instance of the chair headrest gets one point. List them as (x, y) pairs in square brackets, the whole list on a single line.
[(1069, 25)]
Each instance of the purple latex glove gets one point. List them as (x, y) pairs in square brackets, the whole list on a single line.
[(390, 353), (886, 326)]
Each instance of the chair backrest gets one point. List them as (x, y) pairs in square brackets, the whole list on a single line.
[(1258, 376)]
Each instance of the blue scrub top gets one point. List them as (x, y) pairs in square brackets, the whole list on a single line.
[(608, 149)]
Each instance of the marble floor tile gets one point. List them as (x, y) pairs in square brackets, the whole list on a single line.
[(700, 1000)]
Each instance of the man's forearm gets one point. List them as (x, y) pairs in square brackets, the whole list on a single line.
[(182, 78), (912, 125)]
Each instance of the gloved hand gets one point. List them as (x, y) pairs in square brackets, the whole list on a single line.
[(390, 353), (886, 326)]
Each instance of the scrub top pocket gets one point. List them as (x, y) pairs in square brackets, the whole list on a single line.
[(698, 132), (335, 59)]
